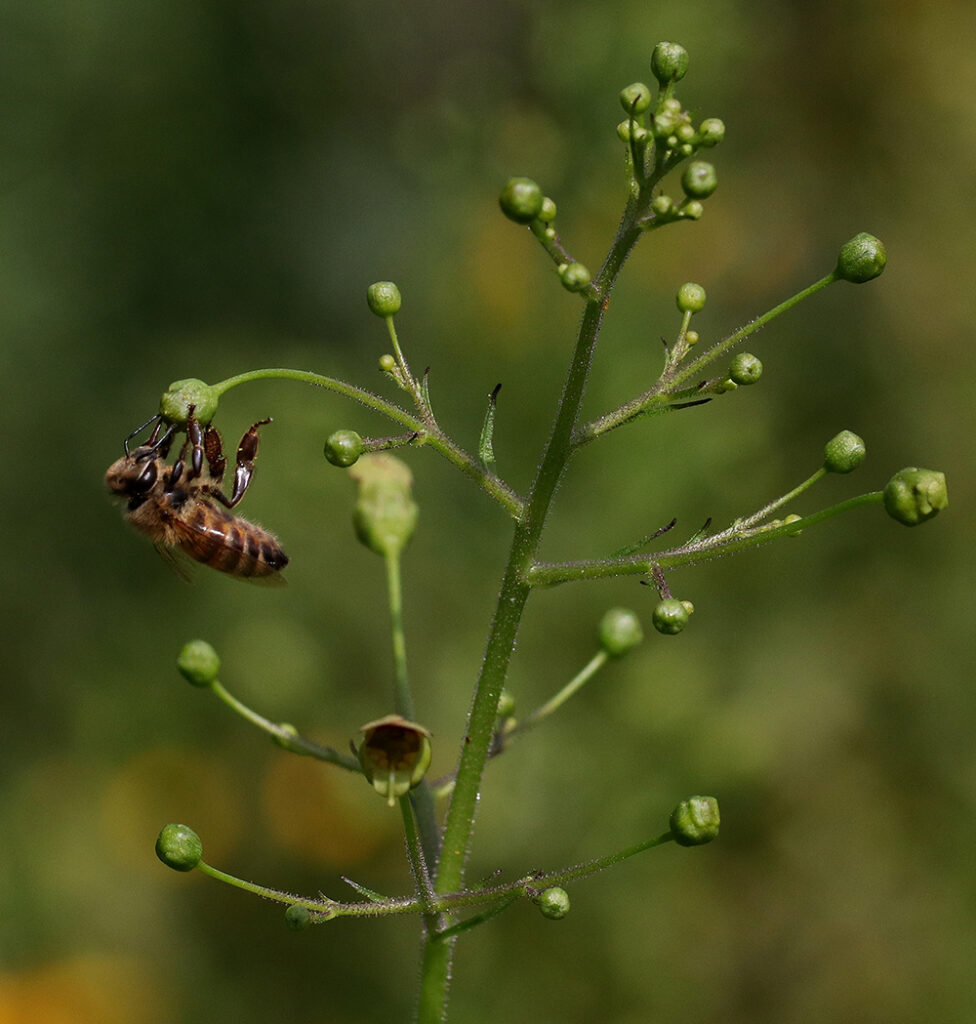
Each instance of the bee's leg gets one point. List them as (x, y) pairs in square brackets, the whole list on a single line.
[(213, 448), (194, 437), (247, 452)]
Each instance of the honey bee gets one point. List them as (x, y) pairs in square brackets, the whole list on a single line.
[(179, 506)]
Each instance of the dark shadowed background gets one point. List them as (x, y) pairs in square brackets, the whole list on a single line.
[(201, 188)]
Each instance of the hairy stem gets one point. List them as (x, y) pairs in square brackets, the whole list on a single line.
[(459, 824)]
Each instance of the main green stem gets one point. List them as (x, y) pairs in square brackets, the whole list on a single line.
[(459, 823)]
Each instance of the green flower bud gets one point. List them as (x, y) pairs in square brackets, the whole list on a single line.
[(699, 180), (387, 363), (695, 821), (669, 62), (394, 755), (664, 122), (661, 204), (691, 337), (861, 259), (574, 277), (670, 616), (745, 368), (552, 902), (711, 131), (297, 917), (620, 632), (635, 98), (198, 663), (844, 453), (691, 209), (913, 495), (385, 513), (548, 212), (691, 298), (343, 448), (175, 404), (521, 200), (628, 131), (290, 732), (383, 298), (506, 704), (179, 847)]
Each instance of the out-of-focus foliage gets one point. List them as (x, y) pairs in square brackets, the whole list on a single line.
[(196, 189)]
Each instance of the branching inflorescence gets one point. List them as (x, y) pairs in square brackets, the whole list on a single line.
[(393, 753)]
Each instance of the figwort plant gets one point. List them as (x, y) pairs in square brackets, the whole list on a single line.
[(658, 135)]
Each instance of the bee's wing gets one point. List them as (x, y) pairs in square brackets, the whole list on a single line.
[(178, 560)]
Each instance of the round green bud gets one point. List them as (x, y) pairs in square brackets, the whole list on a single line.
[(506, 704), (695, 821), (630, 131), (664, 122), (914, 495), (343, 448), (661, 204), (691, 209), (691, 298), (548, 212), (297, 917), (844, 453), (521, 200), (635, 98), (691, 337), (387, 363), (699, 180), (861, 259), (574, 277), (385, 514), (198, 663), (288, 732), (179, 847), (175, 404), (620, 631), (669, 62), (745, 368), (383, 298), (552, 902), (711, 131), (670, 616)]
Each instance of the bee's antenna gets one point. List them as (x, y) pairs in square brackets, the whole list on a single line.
[(139, 430)]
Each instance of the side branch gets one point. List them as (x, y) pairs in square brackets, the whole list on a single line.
[(729, 541), (435, 438)]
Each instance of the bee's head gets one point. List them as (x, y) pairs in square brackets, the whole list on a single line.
[(133, 475)]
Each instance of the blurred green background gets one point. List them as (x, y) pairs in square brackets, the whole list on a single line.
[(200, 188)]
